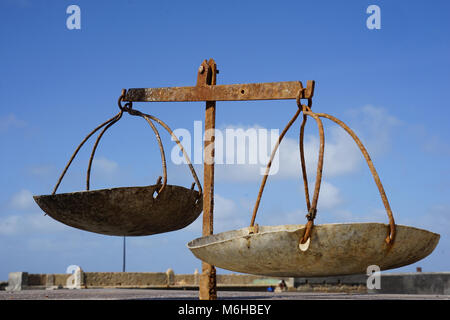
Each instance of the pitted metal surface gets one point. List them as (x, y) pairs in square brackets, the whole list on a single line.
[(335, 249), (128, 211)]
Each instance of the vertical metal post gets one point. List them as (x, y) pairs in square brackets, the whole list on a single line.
[(124, 254), (207, 76)]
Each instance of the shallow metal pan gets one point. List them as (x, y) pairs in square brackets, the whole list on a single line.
[(127, 211), (334, 249)]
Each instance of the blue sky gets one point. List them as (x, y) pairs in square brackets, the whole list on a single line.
[(390, 85)]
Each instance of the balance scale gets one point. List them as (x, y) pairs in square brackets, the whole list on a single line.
[(302, 250)]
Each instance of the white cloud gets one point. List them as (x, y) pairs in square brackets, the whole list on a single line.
[(22, 200), (238, 172), (29, 224), (20, 3), (342, 155), (344, 215), (330, 200), (375, 126), (42, 170), (105, 166), (334, 214), (228, 215), (429, 141), (436, 219), (25, 223), (329, 196), (10, 121), (9, 225), (243, 152)]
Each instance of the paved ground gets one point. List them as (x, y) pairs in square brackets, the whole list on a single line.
[(147, 294)]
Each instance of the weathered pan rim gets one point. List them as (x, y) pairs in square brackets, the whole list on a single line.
[(239, 233), (334, 249), (98, 190), (125, 211)]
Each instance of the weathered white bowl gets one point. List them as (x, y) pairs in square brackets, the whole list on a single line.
[(334, 249)]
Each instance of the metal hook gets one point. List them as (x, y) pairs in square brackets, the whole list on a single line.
[(128, 106), (122, 95), (301, 95)]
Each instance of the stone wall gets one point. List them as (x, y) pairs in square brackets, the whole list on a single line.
[(168, 279), (401, 283), (125, 279), (416, 283)]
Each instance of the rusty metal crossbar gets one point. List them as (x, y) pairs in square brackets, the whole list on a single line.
[(230, 92)]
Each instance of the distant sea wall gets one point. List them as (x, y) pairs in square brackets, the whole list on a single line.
[(144, 280), (390, 283)]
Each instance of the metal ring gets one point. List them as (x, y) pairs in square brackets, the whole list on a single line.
[(299, 97), (299, 94), (128, 106), (124, 92)]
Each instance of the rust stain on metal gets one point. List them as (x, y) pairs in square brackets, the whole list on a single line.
[(231, 92), (206, 78), (335, 249), (128, 211)]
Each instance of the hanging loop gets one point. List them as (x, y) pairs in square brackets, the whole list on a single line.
[(91, 159), (299, 102), (306, 109), (148, 117), (269, 164), (392, 230), (113, 119), (305, 93), (311, 207), (107, 124), (128, 106)]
